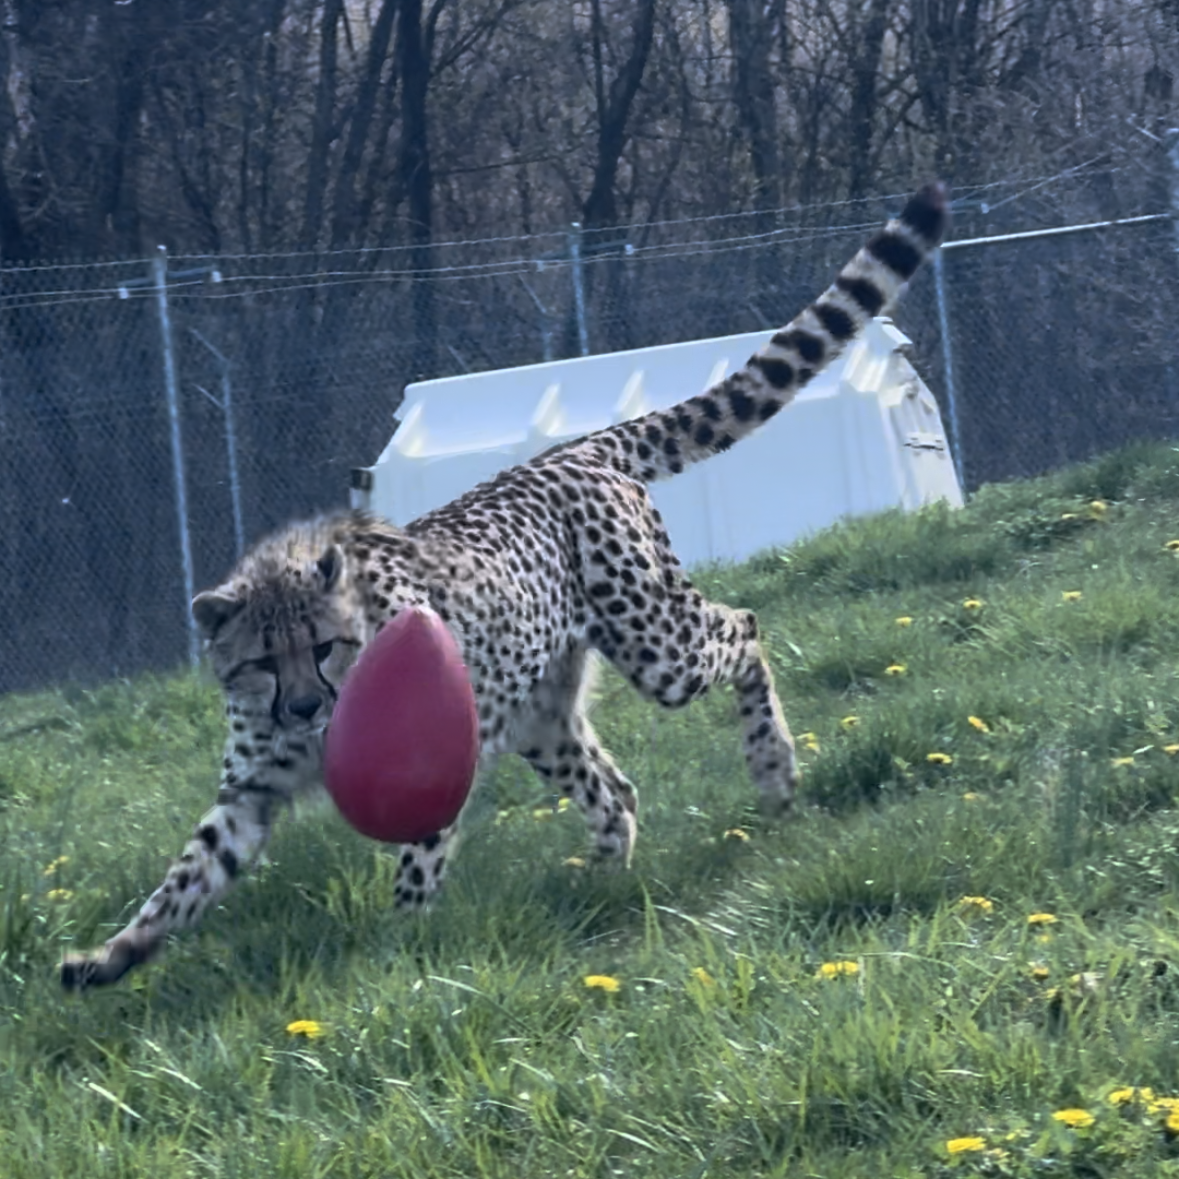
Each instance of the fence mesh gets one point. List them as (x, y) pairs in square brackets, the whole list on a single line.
[(1059, 346)]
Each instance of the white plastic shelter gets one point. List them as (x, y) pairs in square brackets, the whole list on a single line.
[(865, 435)]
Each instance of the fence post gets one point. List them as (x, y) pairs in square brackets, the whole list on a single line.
[(546, 327), (943, 315), (160, 281), (225, 405), (578, 287)]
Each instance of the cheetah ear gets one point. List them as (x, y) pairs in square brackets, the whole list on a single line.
[(212, 610), (331, 567)]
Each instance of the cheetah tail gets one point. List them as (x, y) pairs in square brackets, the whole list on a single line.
[(663, 443)]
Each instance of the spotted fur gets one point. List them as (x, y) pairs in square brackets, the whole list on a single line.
[(533, 572)]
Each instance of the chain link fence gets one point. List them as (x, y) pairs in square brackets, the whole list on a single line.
[(157, 414)]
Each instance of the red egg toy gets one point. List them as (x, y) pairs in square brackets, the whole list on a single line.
[(403, 740)]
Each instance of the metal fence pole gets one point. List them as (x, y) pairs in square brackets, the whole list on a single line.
[(578, 287), (226, 407), (160, 281), (943, 315), (546, 326)]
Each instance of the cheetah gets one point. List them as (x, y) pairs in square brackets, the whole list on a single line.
[(533, 572)]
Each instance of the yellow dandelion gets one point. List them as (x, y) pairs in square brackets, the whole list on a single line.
[(51, 869), (965, 1145), (1068, 515), (837, 969), (60, 894), (850, 722), (981, 904), (541, 813), (1121, 1096), (972, 604), (1071, 595), (1121, 761), (1042, 919), (971, 796), (1039, 971), (602, 982), (565, 803), (810, 741), (1171, 749), (574, 862), (1167, 1105), (895, 669), (309, 1029), (939, 759), (1098, 508), (904, 620), (1171, 1125), (1076, 1119), (737, 833), (977, 722), (701, 975), (1173, 545)]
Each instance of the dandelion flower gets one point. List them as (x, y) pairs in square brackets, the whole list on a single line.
[(972, 604), (977, 722), (895, 669), (308, 1028), (1039, 971), (1098, 508), (541, 813), (1042, 919), (971, 796), (51, 869), (905, 620), (982, 904), (836, 969), (1076, 1119), (810, 741), (850, 722), (1167, 1105), (1121, 1096), (575, 862), (737, 833), (602, 982), (1068, 515), (1121, 761), (1171, 749), (1071, 595), (1173, 545), (60, 894), (702, 975), (965, 1145), (1171, 1125), (939, 759)]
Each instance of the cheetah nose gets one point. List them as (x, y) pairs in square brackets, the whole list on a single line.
[(305, 707)]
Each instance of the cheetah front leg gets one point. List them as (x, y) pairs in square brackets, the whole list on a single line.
[(227, 841)]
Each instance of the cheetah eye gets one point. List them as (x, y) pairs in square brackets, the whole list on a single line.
[(321, 651)]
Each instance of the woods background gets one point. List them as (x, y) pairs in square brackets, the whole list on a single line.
[(386, 189)]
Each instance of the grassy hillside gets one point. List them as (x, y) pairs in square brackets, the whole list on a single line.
[(991, 699)]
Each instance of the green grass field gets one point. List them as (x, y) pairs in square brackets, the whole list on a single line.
[(988, 704)]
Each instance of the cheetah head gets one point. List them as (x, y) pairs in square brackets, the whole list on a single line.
[(283, 630)]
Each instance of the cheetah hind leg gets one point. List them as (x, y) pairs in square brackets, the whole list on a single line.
[(562, 747), (695, 645)]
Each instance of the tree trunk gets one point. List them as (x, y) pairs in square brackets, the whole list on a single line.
[(414, 67), (321, 129)]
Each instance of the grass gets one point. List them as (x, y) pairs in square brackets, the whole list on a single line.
[(467, 1043)]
